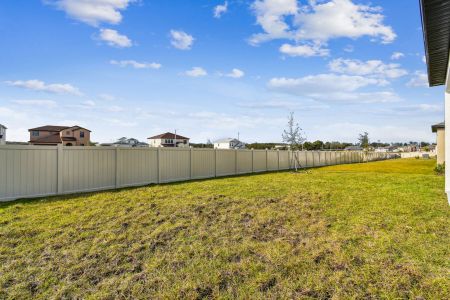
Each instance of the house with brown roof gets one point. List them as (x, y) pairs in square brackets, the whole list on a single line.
[(50, 135), (168, 139)]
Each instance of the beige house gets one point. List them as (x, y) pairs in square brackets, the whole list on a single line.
[(66, 135), (439, 129), (2, 134), (168, 139)]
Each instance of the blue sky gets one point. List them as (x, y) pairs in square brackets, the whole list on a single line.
[(211, 69)]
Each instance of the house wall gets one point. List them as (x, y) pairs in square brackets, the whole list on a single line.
[(160, 142), (82, 141), (440, 145), (3, 135), (31, 171), (222, 145), (42, 134)]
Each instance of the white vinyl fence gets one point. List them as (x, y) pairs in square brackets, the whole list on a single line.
[(33, 171)]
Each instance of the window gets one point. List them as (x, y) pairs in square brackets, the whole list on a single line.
[(35, 133), (68, 132), (168, 141), (81, 134)]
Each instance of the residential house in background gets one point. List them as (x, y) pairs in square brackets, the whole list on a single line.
[(50, 135), (2, 134), (126, 143), (229, 143), (439, 129), (168, 139)]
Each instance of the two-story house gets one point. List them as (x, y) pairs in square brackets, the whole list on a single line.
[(66, 135), (168, 139), (2, 134)]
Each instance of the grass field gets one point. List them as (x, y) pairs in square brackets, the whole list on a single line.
[(376, 230)]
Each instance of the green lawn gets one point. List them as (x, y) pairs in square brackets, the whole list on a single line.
[(376, 230)]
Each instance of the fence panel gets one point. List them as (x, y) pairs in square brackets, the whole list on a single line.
[(225, 162), (175, 164), (284, 160), (259, 161), (137, 166), (272, 160), (88, 169), (28, 171), (244, 161), (203, 163)]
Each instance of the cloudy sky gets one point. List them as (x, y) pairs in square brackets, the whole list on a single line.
[(211, 69)]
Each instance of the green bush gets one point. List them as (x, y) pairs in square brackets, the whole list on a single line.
[(440, 169)]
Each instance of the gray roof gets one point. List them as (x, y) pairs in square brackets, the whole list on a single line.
[(3, 126), (435, 127), (436, 33), (227, 140)]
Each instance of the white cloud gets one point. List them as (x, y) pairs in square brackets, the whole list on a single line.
[(196, 72), (282, 104), (115, 108), (114, 38), (93, 12), (420, 79), (135, 64), (397, 55), (322, 82), (220, 9), (424, 59), (181, 40), (318, 21), (235, 73), (422, 107), (349, 48), (270, 15), (107, 97), (38, 85), (371, 68), (304, 50), (37, 103), (333, 87)]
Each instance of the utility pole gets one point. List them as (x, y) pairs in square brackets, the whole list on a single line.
[(175, 141)]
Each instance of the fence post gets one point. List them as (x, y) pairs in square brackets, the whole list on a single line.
[(306, 158), (267, 165), (117, 158), (191, 162), (253, 165), (278, 154), (60, 161), (215, 162), (235, 161), (158, 168)]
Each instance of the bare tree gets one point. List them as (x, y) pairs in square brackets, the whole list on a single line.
[(293, 135)]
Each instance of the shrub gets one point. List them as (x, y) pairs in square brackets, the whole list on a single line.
[(440, 169)]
